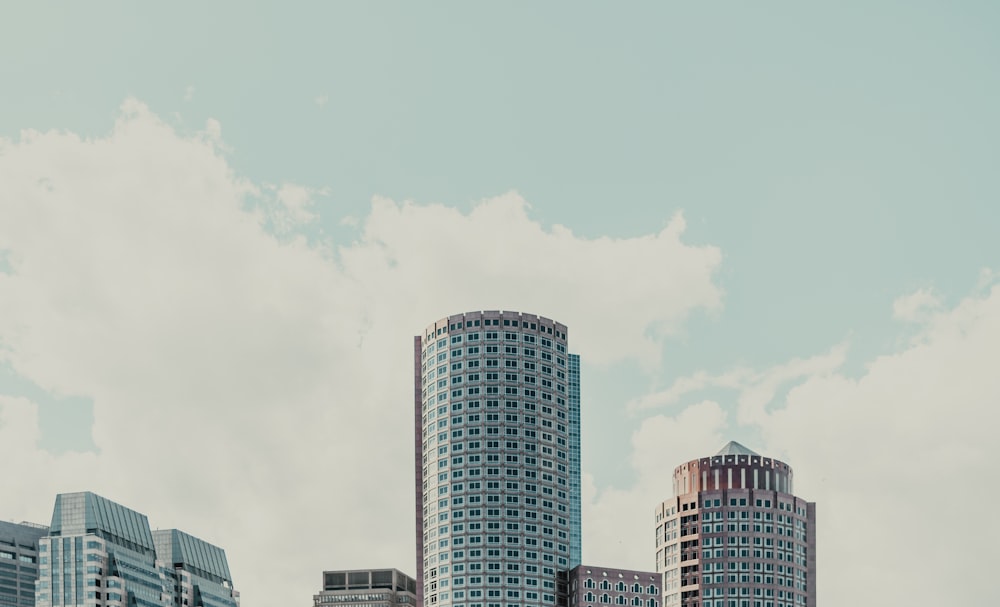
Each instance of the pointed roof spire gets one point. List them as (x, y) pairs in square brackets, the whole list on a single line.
[(734, 448)]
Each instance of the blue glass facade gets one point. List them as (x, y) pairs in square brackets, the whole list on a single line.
[(197, 570), (575, 532), (99, 553)]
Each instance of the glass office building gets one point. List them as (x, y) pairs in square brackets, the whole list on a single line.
[(197, 572), (99, 553), (497, 474), (19, 562)]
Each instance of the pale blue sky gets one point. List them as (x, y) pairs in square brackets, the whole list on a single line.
[(839, 156)]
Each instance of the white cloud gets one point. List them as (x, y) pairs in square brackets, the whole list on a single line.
[(213, 133), (18, 423), (893, 455), (760, 391), (629, 293), (688, 384), (756, 389), (189, 92), (321, 100), (290, 207), (30, 485), (987, 278), (901, 460), (916, 306), (249, 387), (617, 521)]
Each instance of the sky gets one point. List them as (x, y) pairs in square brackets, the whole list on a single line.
[(221, 226)]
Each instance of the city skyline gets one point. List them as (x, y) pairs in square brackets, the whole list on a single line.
[(220, 229)]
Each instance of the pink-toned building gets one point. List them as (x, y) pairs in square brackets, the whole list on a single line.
[(735, 535), (592, 586)]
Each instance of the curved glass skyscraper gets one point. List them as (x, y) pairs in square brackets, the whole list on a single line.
[(497, 443)]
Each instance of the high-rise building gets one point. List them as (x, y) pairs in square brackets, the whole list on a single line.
[(99, 553), (497, 467), (366, 588), (19, 562), (735, 534), (196, 572)]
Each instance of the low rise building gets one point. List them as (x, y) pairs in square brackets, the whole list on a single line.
[(592, 586), (367, 588)]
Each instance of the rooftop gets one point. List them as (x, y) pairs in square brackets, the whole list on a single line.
[(734, 448), (195, 555)]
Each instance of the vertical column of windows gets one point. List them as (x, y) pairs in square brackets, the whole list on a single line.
[(44, 573), (67, 571)]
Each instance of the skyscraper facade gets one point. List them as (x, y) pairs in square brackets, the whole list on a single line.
[(19, 562), (496, 428), (735, 535), (99, 553)]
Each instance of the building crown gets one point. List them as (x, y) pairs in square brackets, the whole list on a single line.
[(734, 448)]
